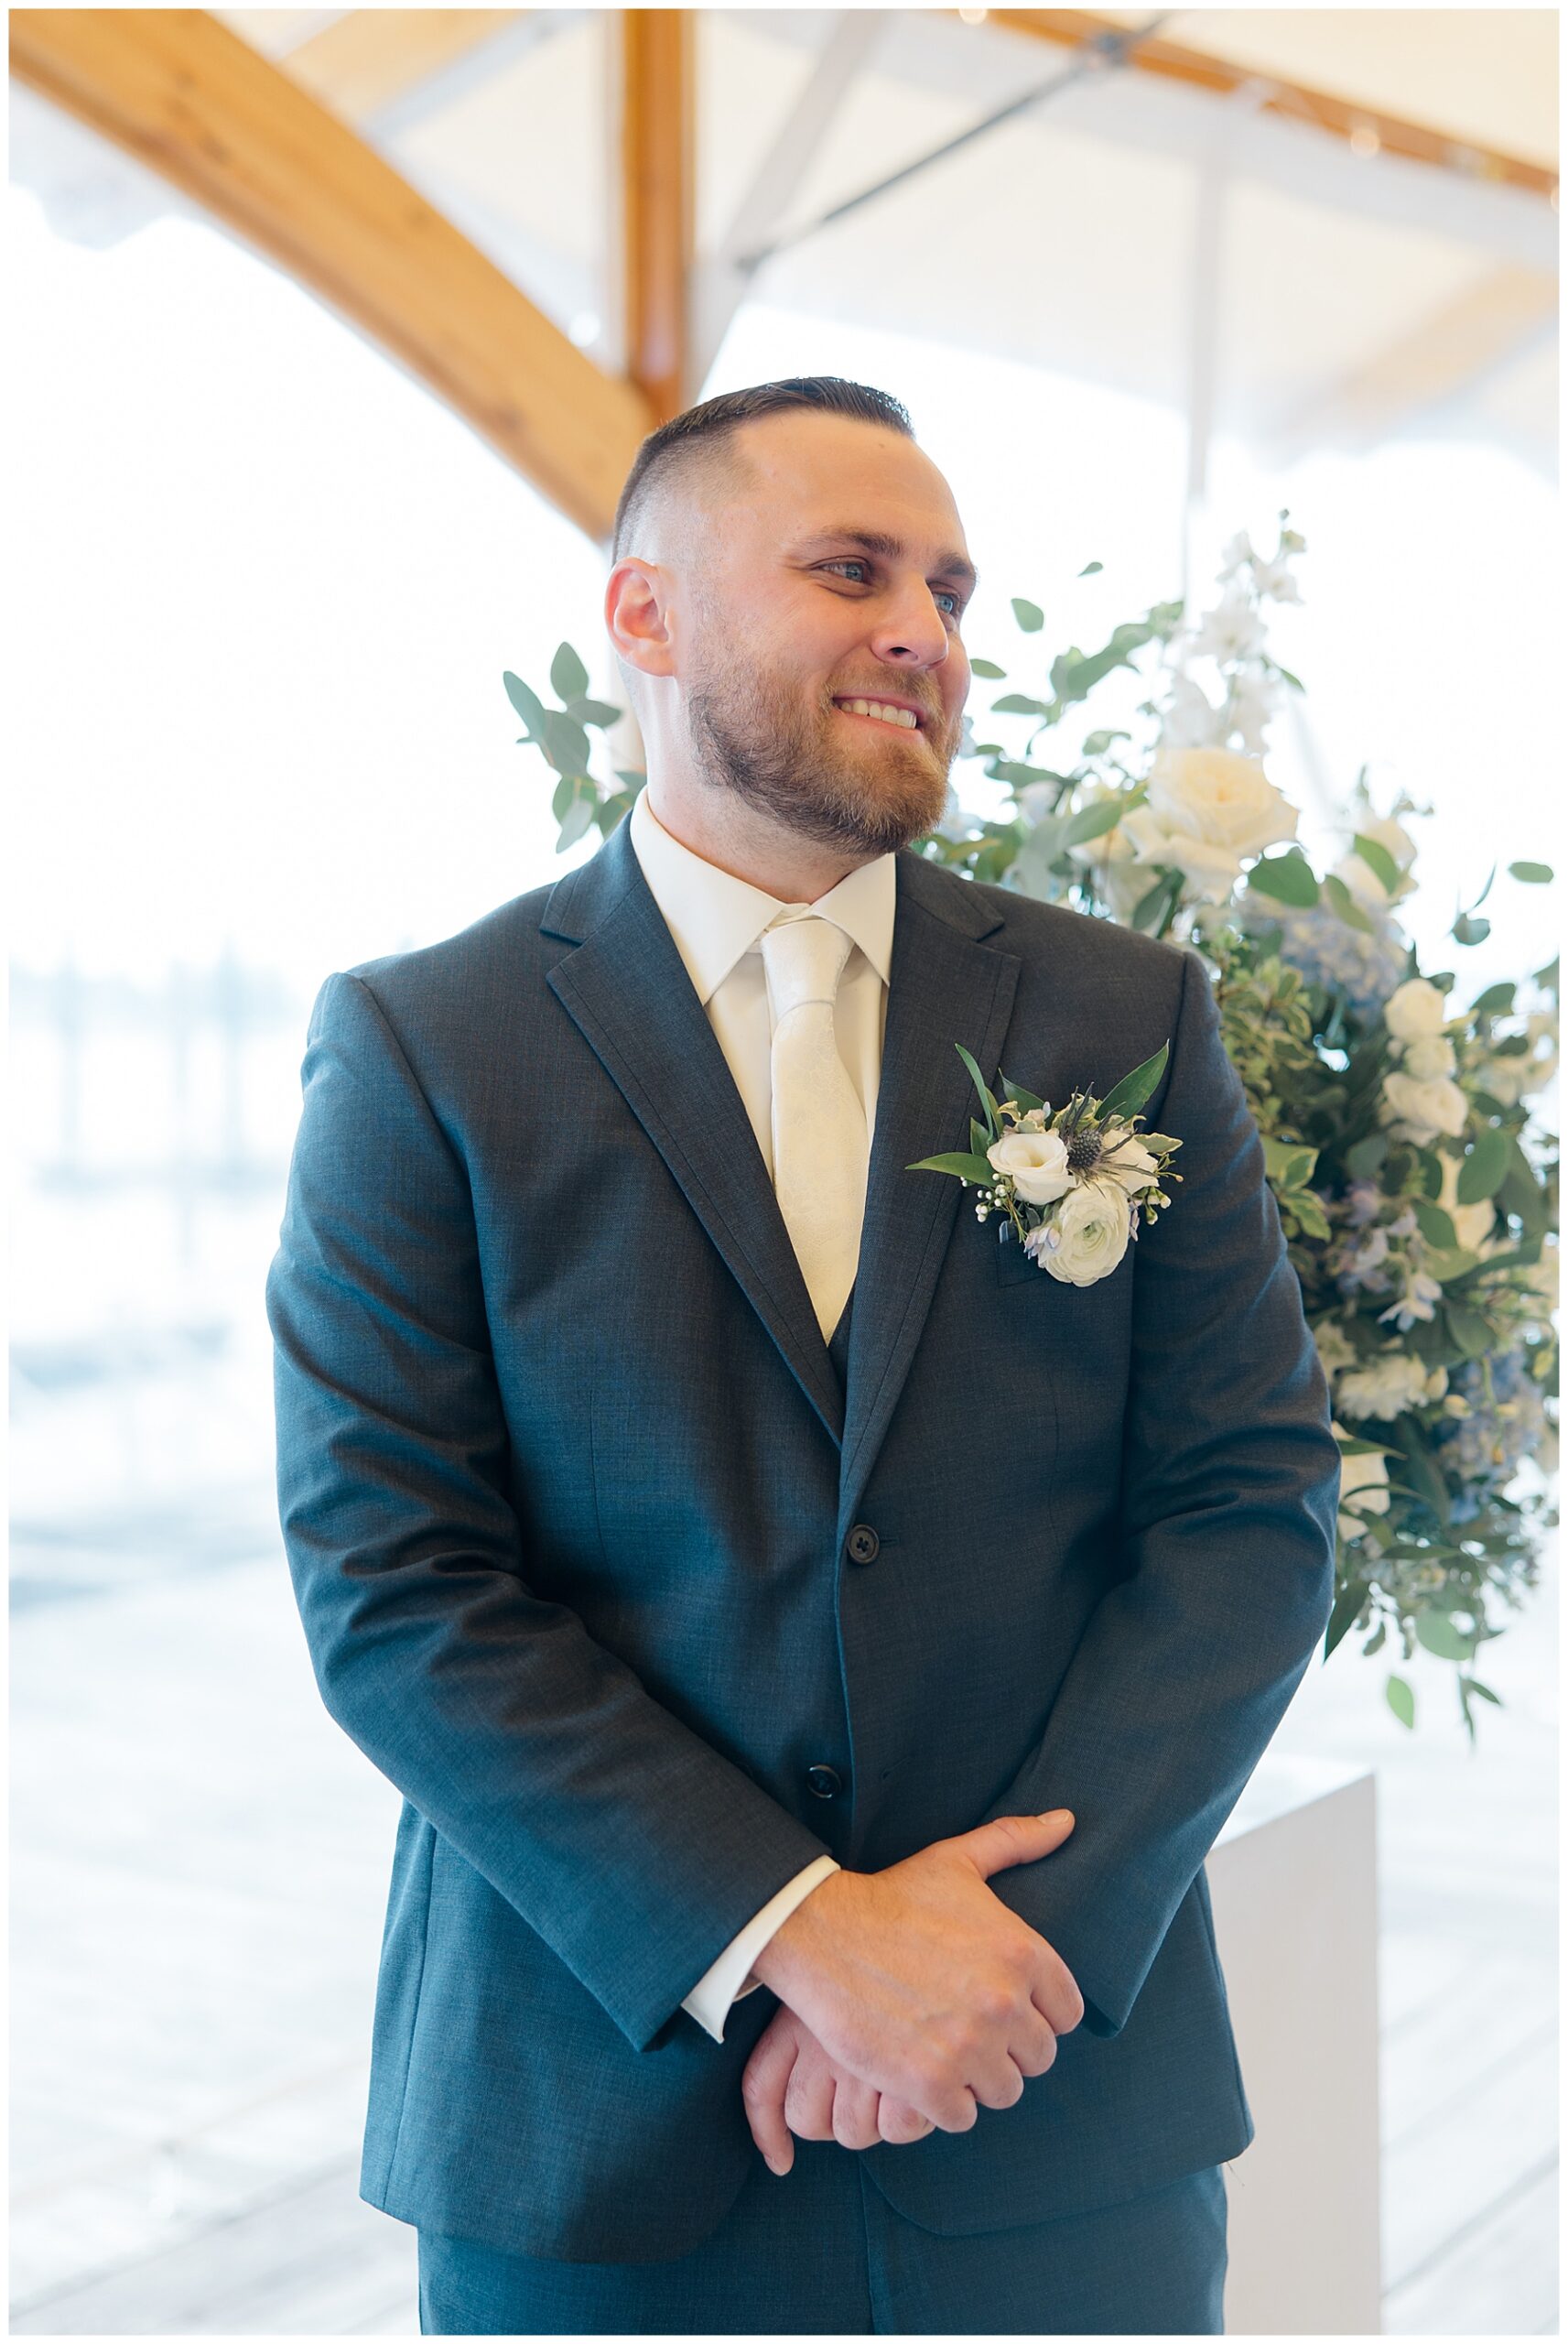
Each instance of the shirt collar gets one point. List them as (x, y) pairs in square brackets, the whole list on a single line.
[(716, 918)]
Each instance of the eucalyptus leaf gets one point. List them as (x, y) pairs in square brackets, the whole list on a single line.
[(1466, 931), (1434, 1224), (1093, 821), (1496, 1001), (1437, 1631), (1030, 616), (1401, 1699), (597, 713), (1342, 1619), (1019, 704), (1345, 905), (580, 816), (988, 669), (529, 706), (568, 677)]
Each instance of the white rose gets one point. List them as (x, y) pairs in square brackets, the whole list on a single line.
[(1471, 1224), (1219, 798), (1429, 1058), (1087, 1236), (1416, 1009), (1035, 1161), (1422, 1110), (1133, 1165), (1392, 1383), (1364, 1479)]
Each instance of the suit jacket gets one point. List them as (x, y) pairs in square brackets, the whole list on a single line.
[(567, 1482)]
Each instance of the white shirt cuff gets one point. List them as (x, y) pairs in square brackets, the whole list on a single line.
[(709, 2000)]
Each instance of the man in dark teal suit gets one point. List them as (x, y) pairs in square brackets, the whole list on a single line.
[(812, 1708)]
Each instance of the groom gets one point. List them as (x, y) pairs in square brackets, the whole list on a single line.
[(817, 1646)]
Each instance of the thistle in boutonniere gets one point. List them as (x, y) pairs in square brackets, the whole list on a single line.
[(1070, 1187)]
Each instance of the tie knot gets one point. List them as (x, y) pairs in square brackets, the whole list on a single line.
[(804, 959)]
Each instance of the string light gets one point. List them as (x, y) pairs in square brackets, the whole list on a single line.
[(974, 16), (1363, 139)]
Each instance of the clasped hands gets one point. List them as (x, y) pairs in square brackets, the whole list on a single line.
[(909, 1998)]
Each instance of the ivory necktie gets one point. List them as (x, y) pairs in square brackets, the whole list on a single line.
[(820, 1147)]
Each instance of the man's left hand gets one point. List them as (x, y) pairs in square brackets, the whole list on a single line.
[(791, 2086)]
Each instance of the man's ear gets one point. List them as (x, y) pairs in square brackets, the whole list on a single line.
[(635, 616)]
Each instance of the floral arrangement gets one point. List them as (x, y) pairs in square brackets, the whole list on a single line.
[(1070, 1187), (1416, 1189)]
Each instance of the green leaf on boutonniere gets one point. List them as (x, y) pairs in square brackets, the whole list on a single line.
[(993, 1119), (1019, 1097), (980, 1138), (966, 1168), (1131, 1092)]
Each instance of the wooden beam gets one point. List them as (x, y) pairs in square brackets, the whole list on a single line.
[(186, 97), (721, 285), (657, 208), (1472, 335), (370, 56), (1295, 100)]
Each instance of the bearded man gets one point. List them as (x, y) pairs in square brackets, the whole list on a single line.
[(816, 1648)]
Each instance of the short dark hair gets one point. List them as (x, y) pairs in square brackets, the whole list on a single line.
[(697, 440)]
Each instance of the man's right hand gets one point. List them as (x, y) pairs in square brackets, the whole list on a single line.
[(922, 1983)]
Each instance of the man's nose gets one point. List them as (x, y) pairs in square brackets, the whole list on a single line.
[(914, 632)]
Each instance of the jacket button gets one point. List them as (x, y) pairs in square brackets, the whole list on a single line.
[(824, 1782), (862, 1544)]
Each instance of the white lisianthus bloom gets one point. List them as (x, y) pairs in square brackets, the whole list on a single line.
[(1363, 1489), (1035, 1162), (1429, 1058), (1233, 630), (1191, 719), (1087, 1236), (1386, 1388), (1335, 1347), (1471, 1224), (1131, 1164), (1421, 1110), (1414, 1011), (1219, 798)]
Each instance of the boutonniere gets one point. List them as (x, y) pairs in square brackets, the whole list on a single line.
[(1070, 1187)]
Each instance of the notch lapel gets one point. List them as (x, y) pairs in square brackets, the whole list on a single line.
[(945, 986), (627, 990)]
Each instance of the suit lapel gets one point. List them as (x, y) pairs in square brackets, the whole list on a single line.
[(946, 987), (627, 990)]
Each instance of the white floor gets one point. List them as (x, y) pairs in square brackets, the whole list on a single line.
[(199, 1865)]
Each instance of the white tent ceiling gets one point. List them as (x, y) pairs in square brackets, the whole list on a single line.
[(1352, 294)]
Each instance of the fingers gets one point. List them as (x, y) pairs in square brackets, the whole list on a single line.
[(808, 2102), (764, 2085), (855, 2106), (1014, 1840), (899, 2122)]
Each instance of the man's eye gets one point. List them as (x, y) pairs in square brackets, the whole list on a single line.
[(854, 561)]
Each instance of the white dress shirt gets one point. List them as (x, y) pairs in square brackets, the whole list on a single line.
[(717, 922)]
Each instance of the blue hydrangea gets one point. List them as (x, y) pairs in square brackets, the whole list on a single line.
[(1367, 968)]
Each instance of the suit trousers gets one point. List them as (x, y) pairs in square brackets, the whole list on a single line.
[(819, 2252)]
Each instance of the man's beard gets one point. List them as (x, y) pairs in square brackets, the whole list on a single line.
[(868, 798)]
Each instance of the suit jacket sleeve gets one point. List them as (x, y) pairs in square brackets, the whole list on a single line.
[(728, 1980), (1230, 1477), (634, 1848)]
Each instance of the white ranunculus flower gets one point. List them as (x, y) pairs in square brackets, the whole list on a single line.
[(1220, 798), (1087, 1236), (1036, 1163), (1387, 1387), (1133, 1165), (1420, 1111), (1429, 1059), (1471, 1224), (1415, 1010), (1363, 1489)]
